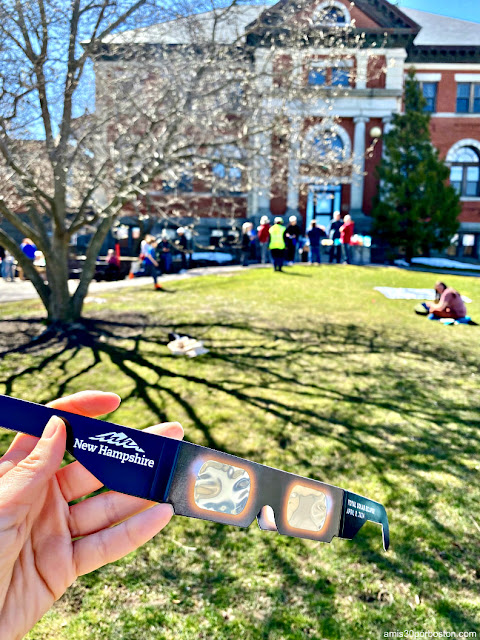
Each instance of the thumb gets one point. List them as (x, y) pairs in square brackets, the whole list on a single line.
[(36, 469)]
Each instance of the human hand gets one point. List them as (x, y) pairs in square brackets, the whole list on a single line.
[(45, 543)]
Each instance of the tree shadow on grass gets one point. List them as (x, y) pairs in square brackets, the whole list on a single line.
[(275, 372)]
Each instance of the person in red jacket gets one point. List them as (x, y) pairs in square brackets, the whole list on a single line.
[(346, 233), (263, 238)]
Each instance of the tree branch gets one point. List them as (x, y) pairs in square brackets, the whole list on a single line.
[(42, 289), (26, 229), (24, 176)]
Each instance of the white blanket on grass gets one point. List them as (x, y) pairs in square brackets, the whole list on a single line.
[(405, 293), (440, 263)]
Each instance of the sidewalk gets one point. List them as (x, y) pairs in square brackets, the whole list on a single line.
[(24, 290)]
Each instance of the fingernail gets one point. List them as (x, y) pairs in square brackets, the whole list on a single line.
[(51, 427)]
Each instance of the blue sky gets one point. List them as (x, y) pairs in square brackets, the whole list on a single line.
[(463, 9)]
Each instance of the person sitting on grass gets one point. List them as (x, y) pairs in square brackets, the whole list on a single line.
[(449, 305)]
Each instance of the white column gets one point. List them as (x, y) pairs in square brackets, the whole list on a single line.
[(387, 124), (293, 166), (356, 202), (261, 183)]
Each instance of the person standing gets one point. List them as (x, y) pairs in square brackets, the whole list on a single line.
[(182, 244), (263, 238), (150, 263), (112, 271), (246, 243), (164, 253), (315, 236), (8, 267), (334, 235), (346, 233), (29, 248), (277, 243), (292, 237), (143, 246)]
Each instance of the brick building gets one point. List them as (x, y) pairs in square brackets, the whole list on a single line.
[(368, 81)]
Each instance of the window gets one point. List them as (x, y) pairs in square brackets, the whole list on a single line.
[(468, 97), (337, 76), (328, 144), (468, 244), (331, 13), (429, 90), (340, 77), (317, 77), (465, 172)]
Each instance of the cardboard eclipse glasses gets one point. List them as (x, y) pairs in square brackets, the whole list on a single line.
[(202, 483)]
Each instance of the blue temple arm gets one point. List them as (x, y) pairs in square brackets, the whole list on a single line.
[(127, 460)]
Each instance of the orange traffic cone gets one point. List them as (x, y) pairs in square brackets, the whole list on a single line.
[(131, 276)]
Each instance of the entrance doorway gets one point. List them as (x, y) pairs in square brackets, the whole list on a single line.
[(322, 201)]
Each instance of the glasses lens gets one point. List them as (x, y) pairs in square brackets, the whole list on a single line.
[(306, 508), (222, 488)]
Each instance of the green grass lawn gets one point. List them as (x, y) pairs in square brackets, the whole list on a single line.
[(312, 372)]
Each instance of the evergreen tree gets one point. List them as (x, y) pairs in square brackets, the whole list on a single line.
[(415, 209)]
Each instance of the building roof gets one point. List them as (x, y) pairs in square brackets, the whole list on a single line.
[(229, 26), (439, 30)]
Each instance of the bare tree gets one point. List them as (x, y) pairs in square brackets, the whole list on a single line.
[(183, 93)]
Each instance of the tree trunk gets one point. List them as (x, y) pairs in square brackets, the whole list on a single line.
[(60, 309)]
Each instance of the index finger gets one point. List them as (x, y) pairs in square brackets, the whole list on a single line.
[(86, 403)]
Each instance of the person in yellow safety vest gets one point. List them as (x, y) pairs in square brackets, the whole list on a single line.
[(277, 243)]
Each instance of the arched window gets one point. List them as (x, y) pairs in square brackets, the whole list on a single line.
[(334, 15), (465, 171), (331, 13), (326, 145)]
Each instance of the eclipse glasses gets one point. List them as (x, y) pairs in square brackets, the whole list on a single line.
[(202, 483)]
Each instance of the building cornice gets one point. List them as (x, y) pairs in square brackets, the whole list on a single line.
[(443, 54), (447, 66)]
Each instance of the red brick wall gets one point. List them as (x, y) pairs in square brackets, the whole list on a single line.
[(445, 133), (282, 67), (371, 161), (376, 72), (201, 206), (470, 212), (362, 21), (346, 195)]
